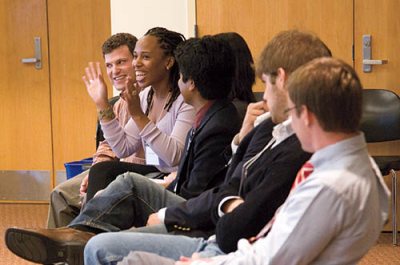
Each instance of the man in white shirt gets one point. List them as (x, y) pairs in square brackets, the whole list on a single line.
[(334, 215)]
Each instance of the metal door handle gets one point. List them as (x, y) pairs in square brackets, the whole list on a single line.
[(367, 60), (37, 60), (29, 60), (374, 62)]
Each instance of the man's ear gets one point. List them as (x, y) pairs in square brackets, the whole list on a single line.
[(307, 116), (192, 85), (170, 62), (281, 77)]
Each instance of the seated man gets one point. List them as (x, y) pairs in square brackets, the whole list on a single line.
[(335, 214), (65, 198), (206, 68)]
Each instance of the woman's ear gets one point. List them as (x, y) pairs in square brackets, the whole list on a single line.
[(170, 63)]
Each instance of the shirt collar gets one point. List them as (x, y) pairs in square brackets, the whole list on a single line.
[(339, 149), (282, 131), (201, 113)]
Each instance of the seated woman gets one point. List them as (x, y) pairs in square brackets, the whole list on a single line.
[(244, 75), (160, 119)]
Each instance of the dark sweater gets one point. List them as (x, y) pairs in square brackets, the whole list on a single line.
[(266, 187)]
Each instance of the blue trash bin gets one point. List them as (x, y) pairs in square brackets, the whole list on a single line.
[(76, 167)]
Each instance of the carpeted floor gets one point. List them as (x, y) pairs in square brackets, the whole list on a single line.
[(22, 215), (35, 215)]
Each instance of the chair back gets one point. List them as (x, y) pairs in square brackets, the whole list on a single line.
[(380, 120)]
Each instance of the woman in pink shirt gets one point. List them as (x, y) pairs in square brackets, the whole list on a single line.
[(159, 120)]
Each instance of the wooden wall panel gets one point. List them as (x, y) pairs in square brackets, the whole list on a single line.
[(258, 21), (77, 30)]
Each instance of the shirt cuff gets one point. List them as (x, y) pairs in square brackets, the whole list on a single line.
[(161, 214), (221, 204), (110, 122), (235, 144)]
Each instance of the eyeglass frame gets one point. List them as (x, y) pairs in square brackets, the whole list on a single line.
[(286, 111)]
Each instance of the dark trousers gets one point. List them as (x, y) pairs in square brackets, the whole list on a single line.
[(103, 173)]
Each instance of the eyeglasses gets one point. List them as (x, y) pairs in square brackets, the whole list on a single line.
[(289, 109)]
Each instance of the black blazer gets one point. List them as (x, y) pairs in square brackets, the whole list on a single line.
[(266, 187), (207, 151)]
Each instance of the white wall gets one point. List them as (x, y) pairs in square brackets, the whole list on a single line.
[(137, 16)]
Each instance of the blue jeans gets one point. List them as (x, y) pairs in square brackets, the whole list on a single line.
[(127, 201), (109, 248)]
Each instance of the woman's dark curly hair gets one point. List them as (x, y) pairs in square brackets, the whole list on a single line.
[(168, 41)]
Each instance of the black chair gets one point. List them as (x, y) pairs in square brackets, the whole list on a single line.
[(380, 123)]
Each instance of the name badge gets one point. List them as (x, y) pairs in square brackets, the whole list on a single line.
[(151, 157)]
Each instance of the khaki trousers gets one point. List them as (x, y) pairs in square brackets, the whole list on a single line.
[(65, 202)]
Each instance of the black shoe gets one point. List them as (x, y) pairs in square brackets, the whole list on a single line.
[(48, 246)]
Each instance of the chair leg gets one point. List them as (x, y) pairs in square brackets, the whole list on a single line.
[(394, 206)]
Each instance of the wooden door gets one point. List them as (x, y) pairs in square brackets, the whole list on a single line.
[(380, 20), (25, 135), (25, 92), (258, 21), (46, 116)]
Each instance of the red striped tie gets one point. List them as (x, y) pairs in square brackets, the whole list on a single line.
[(302, 174)]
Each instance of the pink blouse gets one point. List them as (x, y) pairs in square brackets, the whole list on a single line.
[(166, 138)]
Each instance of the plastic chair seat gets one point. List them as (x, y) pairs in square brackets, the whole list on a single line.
[(380, 122), (386, 163)]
